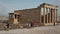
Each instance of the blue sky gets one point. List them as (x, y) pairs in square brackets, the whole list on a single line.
[(7, 6)]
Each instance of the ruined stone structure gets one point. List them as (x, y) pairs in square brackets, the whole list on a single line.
[(45, 14)]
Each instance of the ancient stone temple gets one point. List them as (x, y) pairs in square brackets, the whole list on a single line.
[(45, 14)]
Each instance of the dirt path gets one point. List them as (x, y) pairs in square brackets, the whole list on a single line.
[(35, 30)]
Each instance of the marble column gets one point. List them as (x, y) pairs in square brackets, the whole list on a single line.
[(47, 14), (40, 14), (50, 15), (44, 14), (55, 15)]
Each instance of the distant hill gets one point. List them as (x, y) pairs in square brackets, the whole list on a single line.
[(3, 18)]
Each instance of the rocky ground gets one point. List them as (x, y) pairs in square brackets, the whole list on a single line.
[(35, 30)]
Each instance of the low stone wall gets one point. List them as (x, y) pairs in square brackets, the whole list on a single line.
[(5, 26), (17, 26)]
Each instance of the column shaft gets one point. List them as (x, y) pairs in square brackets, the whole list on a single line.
[(52, 15), (47, 14), (44, 14), (40, 15), (55, 15)]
